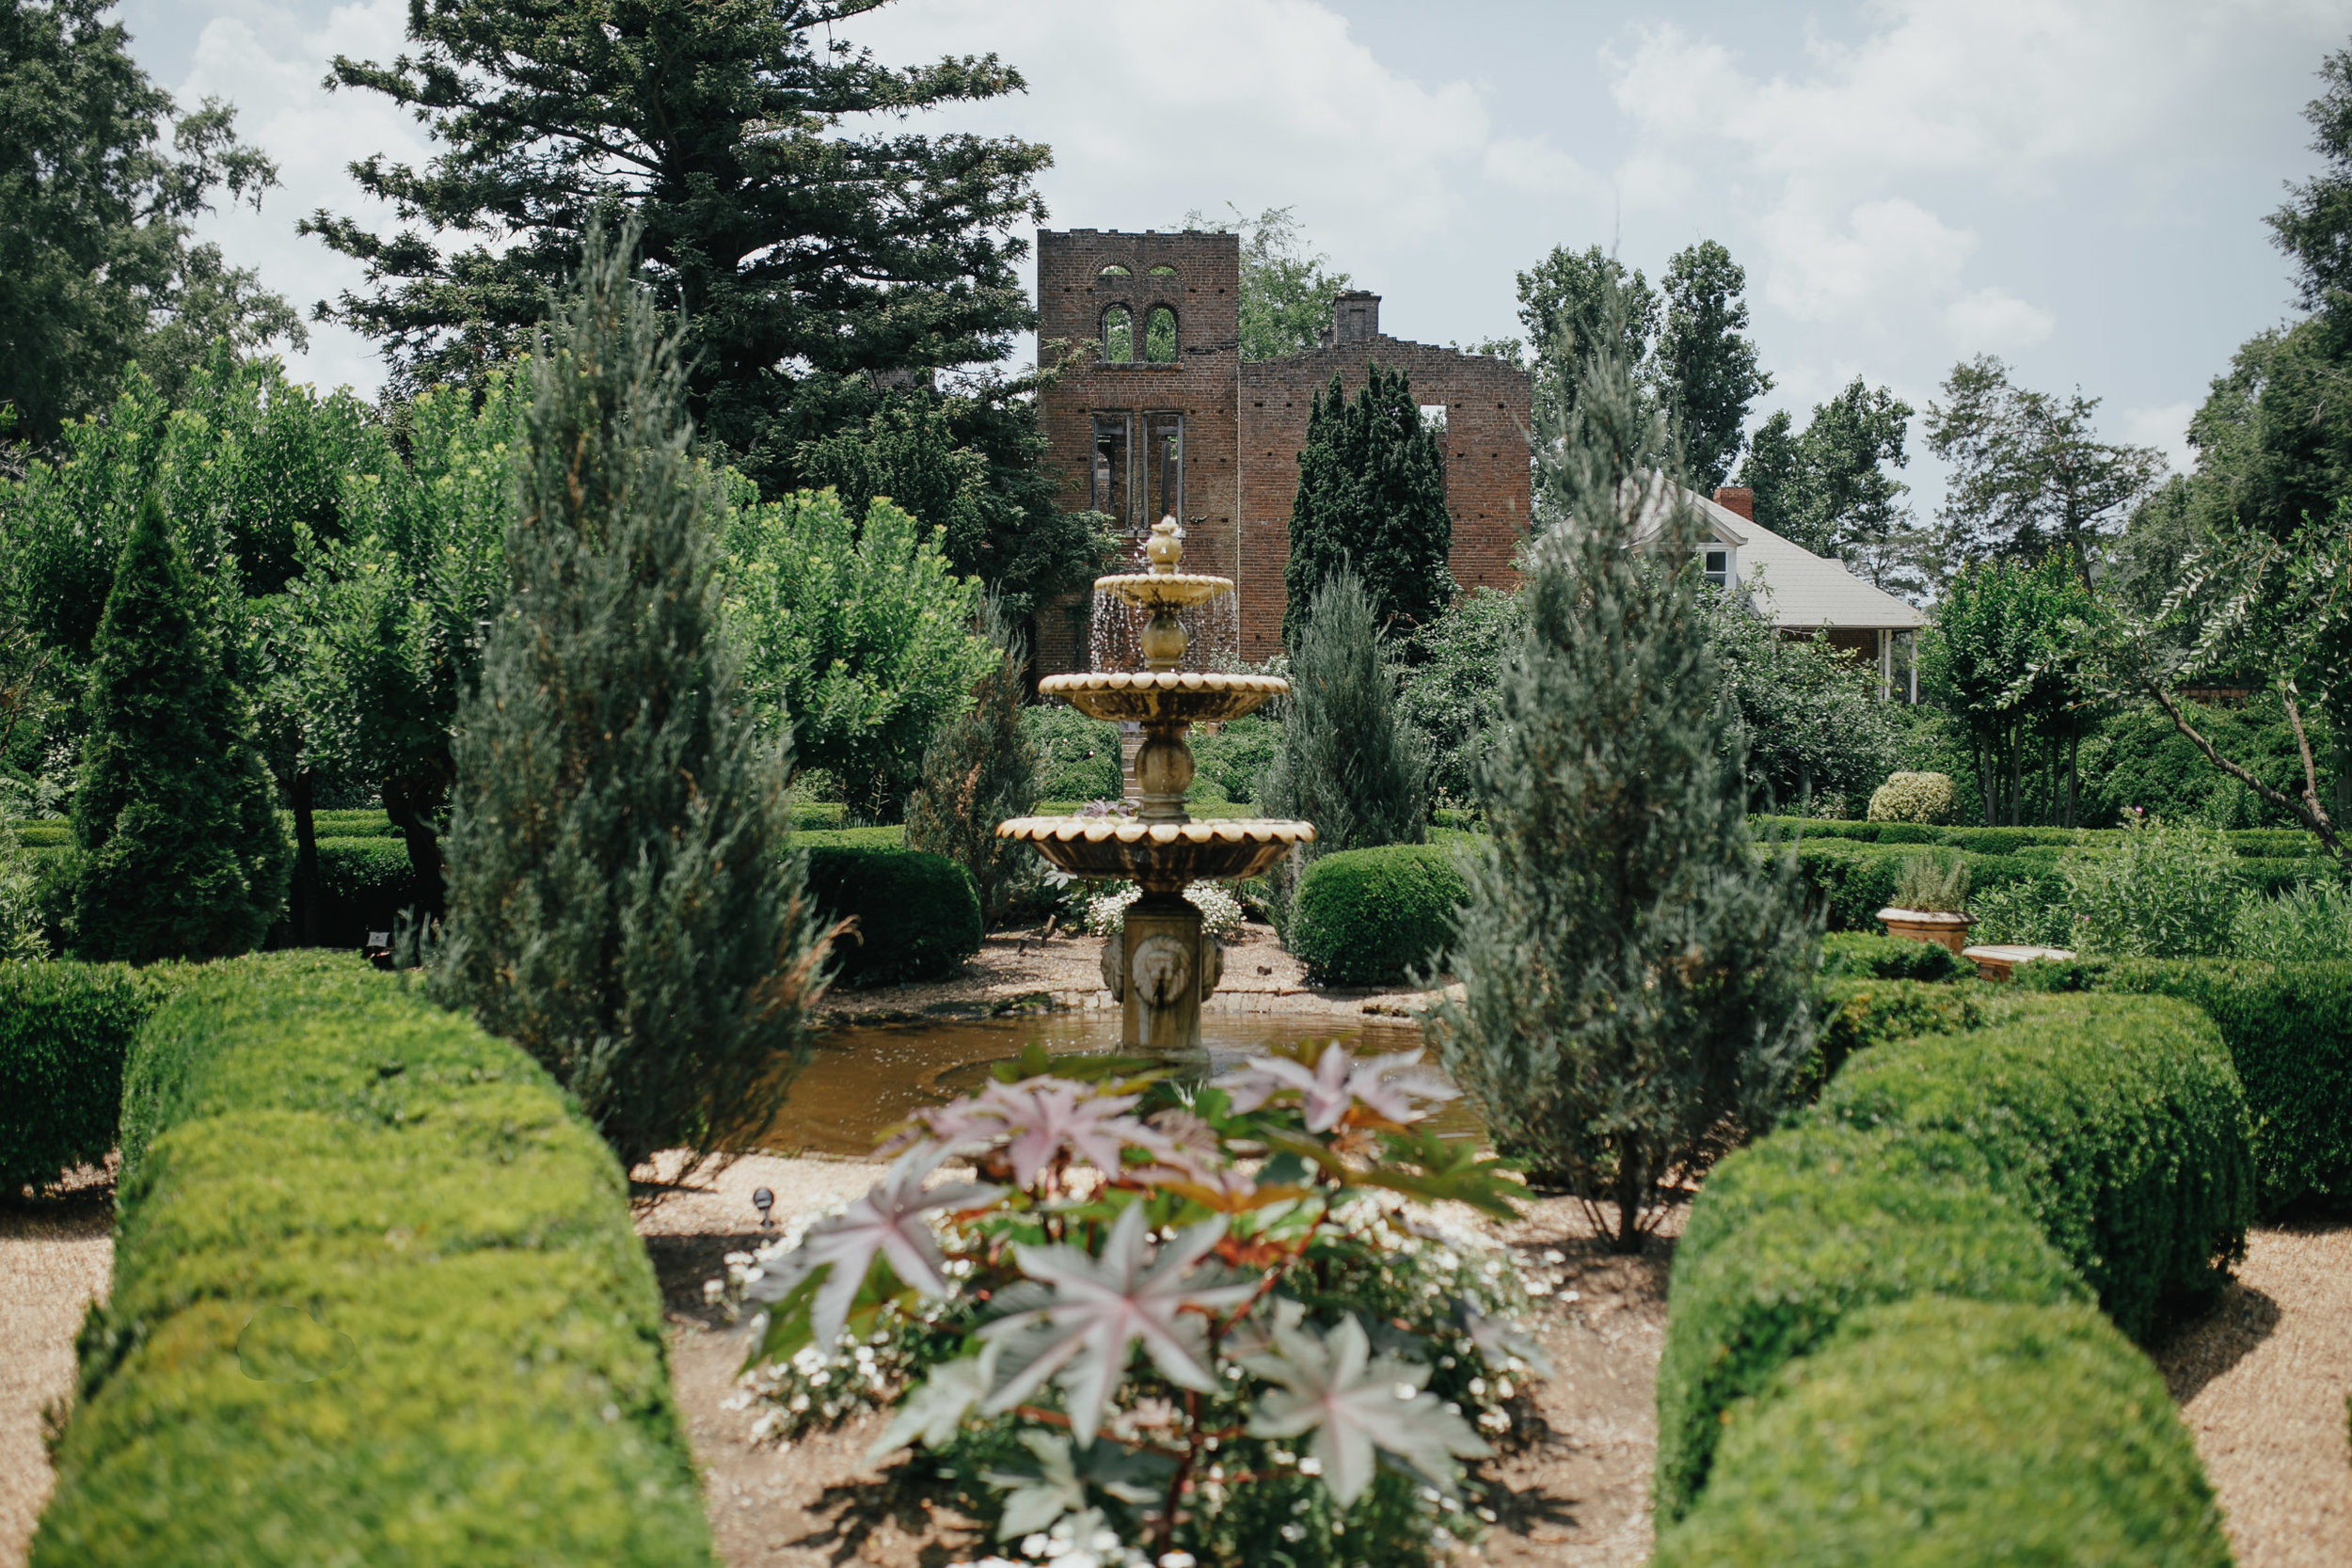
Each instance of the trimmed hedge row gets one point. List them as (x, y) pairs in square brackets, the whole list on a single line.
[(65, 1031), (376, 1298), (2289, 1030), (2116, 1120), (1373, 917), (917, 915), (1941, 1432), (2057, 1149), (2263, 842), (1867, 956)]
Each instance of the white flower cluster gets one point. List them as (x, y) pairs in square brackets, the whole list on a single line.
[(1079, 1541), (1221, 912)]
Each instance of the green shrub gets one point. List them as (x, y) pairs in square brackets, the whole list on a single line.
[(1938, 1432), (2307, 923), (2289, 1031), (1375, 917), (376, 1298), (2274, 876), (1932, 881), (1791, 1235), (2119, 1119), (1862, 956), (1849, 882), (1922, 798), (1235, 757), (65, 1031), (1857, 1015), (2163, 892), (1077, 758), (980, 770), (917, 916), (370, 823)]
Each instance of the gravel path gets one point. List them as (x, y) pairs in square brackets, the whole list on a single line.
[(56, 1253), (2261, 1380)]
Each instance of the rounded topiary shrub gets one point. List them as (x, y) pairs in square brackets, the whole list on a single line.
[(1923, 798), (917, 917), (1372, 917)]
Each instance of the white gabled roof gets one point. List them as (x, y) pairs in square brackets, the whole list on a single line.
[(1795, 589)]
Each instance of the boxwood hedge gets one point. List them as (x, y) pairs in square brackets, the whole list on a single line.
[(1857, 1015), (1947, 1432), (1794, 1233), (1862, 956), (2289, 1031), (376, 1298), (2116, 1120), (917, 916), (1373, 917), (65, 1031)]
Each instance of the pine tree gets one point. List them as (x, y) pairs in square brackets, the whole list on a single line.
[(1350, 762), (183, 856), (620, 901), (1371, 495), (979, 770), (1635, 987)]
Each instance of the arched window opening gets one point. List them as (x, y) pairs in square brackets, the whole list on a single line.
[(1114, 270), (1119, 336), (1163, 270), (1159, 335)]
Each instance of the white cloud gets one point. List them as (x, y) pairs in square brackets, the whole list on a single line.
[(1883, 255), (2164, 427), (1994, 321)]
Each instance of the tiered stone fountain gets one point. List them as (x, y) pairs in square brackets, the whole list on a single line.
[(1162, 965)]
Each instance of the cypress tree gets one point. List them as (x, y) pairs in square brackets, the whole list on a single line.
[(981, 769), (1350, 762), (1635, 986), (621, 904), (183, 856), (1371, 495)]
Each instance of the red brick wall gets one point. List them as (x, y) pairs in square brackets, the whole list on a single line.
[(1244, 424)]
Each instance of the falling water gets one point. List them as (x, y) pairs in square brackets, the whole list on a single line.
[(1115, 637)]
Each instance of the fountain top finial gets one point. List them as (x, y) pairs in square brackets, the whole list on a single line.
[(1166, 548)]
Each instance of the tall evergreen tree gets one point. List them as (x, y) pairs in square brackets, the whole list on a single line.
[(981, 769), (175, 815), (620, 902), (811, 244), (1370, 497), (1350, 763), (1635, 985), (97, 263), (1706, 370)]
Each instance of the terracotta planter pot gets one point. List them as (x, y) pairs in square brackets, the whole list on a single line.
[(1945, 930)]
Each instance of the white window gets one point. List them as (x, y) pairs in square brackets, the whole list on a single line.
[(1717, 565), (1433, 416)]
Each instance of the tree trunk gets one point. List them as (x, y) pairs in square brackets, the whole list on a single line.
[(409, 809), (2073, 773), (1628, 1236), (305, 892)]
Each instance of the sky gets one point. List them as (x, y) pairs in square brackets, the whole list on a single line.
[(2077, 186)]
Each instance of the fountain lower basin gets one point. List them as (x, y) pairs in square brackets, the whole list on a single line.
[(1160, 857)]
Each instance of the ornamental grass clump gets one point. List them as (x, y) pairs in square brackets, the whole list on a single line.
[(1932, 883), (1167, 1319), (1636, 986)]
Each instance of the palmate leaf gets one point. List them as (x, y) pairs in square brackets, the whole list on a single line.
[(1083, 1333), (791, 1321), (932, 1412), (1039, 1500), (1354, 1403), (1452, 1170)]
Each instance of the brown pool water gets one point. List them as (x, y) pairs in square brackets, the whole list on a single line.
[(868, 1077)]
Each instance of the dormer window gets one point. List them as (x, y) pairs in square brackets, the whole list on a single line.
[(1715, 565)]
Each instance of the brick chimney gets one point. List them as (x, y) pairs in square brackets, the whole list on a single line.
[(1737, 498), (1354, 319)]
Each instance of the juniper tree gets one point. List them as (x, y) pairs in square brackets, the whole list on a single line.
[(981, 769), (1371, 495), (620, 903), (1635, 986), (1350, 763), (183, 856)]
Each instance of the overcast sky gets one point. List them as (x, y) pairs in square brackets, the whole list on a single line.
[(2074, 185)]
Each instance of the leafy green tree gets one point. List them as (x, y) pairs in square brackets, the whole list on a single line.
[(1805, 725), (2001, 659), (175, 816), (1286, 289), (621, 904), (1706, 370), (1570, 303), (1635, 986), (1829, 489), (1350, 762), (1450, 687), (2315, 228), (811, 244), (1371, 495), (101, 178), (2029, 474), (980, 770), (858, 637)]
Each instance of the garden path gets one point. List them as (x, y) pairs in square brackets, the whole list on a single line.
[(2261, 1380), (1580, 1489), (55, 1252)]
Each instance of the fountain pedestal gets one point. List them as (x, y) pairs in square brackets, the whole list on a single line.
[(1162, 964)]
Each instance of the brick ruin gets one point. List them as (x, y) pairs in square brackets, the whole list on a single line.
[(1165, 418)]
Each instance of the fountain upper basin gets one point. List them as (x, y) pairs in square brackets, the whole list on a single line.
[(1192, 696), (1164, 590)]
